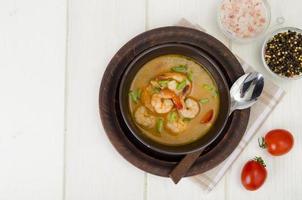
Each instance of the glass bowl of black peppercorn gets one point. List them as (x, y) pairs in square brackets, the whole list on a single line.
[(282, 53)]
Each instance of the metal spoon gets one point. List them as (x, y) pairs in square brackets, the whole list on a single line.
[(244, 93)]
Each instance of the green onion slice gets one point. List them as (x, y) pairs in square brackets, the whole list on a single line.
[(163, 83), (155, 89), (186, 119), (207, 87), (181, 85), (172, 116), (135, 95), (190, 76), (159, 125), (180, 68), (204, 101)]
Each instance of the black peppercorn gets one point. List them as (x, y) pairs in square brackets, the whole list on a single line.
[(283, 53)]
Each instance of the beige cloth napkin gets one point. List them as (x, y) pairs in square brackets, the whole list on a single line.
[(269, 99)]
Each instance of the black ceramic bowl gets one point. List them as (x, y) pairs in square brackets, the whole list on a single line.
[(204, 60)]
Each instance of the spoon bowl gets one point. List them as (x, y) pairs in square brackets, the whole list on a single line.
[(246, 90)]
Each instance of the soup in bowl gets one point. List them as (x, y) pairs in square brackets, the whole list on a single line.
[(174, 101), (175, 105)]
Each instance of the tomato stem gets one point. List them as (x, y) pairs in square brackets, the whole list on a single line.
[(262, 143), (259, 160)]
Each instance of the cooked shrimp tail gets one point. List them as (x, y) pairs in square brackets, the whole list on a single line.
[(162, 102), (190, 108), (176, 99)]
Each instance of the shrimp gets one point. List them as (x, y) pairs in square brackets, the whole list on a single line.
[(176, 126), (143, 118), (190, 108), (162, 102), (165, 100)]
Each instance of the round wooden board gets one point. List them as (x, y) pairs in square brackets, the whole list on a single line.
[(116, 131)]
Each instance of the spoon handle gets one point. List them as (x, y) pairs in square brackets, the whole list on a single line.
[(181, 169)]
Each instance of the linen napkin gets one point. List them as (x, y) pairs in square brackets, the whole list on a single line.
[(269, 99)]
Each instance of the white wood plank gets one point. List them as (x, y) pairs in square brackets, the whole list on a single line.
[(166, 13), (32, 67), (284, 177), (164, 188), (94, 170)]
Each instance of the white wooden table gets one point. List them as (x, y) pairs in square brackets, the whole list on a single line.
[(52, 144)]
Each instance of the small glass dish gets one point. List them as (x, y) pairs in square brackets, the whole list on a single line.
[(231, 35), (267, 39)]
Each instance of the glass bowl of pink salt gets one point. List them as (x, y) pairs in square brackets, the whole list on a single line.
[(244, 20)]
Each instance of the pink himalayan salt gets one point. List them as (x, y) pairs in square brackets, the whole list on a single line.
[(243, 18)]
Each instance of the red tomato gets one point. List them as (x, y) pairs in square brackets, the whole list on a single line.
[(207, 117), (278, 142), (253, 174)]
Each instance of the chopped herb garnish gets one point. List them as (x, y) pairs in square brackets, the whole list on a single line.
[(172, 116), (204, 101), (154, 83), (180, 68), (190, 76), (186, 119), (135, 95), (181, 85), (159, 125), (207, 87), (216, 93), (155, 89), (163, 83), (139, 93)]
